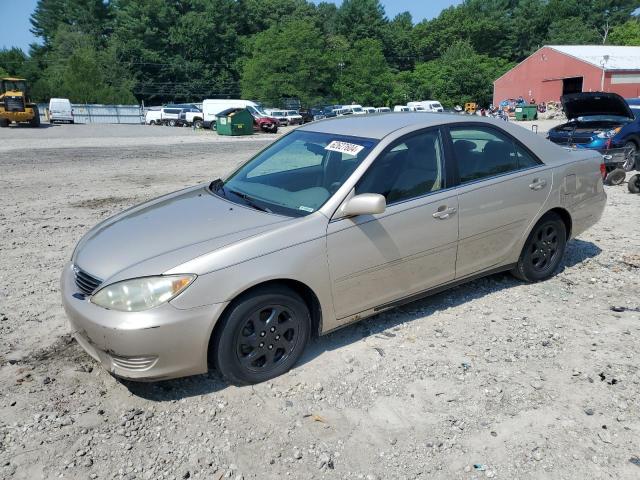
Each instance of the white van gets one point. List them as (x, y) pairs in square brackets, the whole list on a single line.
[(60, 110), (426, 106), (401, 108), (383, 110), (211, 107)]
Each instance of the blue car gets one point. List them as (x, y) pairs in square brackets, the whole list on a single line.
[(603, 122)]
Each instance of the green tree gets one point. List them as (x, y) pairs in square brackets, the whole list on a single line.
[(364, 77), (627, 33), (571, 31), (461, 75), (360, 19), (86, 16), (286, 60), (81, 71), (399, 46), (12, 61)]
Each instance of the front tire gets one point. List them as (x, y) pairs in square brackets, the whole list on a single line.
[(197, 124), (4, 122), (172, 123), (543, 250), (35, 121), (262, 335)]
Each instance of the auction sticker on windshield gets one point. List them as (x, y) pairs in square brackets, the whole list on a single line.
[(344, 147)]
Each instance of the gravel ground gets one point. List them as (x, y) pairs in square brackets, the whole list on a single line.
[(493, 379)]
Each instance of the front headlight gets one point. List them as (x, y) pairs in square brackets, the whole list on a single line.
[(140, 294), (609, 133)]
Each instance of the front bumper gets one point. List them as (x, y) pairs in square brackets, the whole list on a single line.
[(157, 344)]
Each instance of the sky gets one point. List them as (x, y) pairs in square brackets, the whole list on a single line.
[(16, 33)]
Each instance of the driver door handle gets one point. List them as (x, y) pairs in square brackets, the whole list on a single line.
[(443, 212), (538, 184)]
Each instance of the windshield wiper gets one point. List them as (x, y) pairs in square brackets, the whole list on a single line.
[(250, 202)]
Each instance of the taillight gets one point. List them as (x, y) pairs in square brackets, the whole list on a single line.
[(603, 169)]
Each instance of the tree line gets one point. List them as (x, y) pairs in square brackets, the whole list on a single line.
[(156, 51)]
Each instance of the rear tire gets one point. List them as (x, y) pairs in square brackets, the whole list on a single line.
[(543, 250), (213, 126), (35, 121), (615, 177), (4, 122), (634, 183), (172, 123), (197, 124), (261, 336)]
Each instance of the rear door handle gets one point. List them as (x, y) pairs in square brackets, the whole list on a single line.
[(538, 184), (444, 212)]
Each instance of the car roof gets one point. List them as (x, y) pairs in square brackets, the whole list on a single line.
[(380, 125)]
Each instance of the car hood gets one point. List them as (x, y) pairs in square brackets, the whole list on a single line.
[(154, 237), (595, 103)]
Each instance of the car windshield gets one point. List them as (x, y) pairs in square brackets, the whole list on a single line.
[(257, 111), (296, 175), (14, 85), (357, 109)]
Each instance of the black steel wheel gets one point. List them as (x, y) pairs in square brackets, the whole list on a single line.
[(632, 155), (543, 250), (172, 123), (197, 124), (262, 335), (634, 183)]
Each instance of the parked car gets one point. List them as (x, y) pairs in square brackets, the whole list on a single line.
[(426, 106), (279, 115), (263, 121), (383, 110), (339, 220), (293, 117), (153, 116), (369, 110), (192, 116), (170, 115), (401, 108), (211, 107), (603, 122), (60, 110), (312, 114)]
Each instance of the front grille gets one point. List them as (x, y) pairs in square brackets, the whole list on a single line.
[(575, 140), (14, 104), (85, 282)]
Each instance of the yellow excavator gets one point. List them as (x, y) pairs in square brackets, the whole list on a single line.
[(15, 105)]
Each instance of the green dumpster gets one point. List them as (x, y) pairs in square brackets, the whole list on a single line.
[(527, 112), (234, 121)]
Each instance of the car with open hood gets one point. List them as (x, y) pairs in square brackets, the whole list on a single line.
[(603, 122), (336, 221)]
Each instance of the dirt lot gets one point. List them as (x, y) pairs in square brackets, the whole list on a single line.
[(494, 379)]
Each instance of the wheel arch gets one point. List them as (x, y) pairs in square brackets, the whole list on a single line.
[(308, 295), (566, 219)]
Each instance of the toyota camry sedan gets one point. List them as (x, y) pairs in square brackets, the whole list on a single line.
[(336, 221)]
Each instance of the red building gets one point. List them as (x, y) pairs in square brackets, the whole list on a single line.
[(555, 70)]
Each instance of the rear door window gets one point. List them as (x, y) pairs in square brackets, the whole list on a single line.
[(484, 152)]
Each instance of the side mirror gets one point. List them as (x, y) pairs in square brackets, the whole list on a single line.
[(364, 204)]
